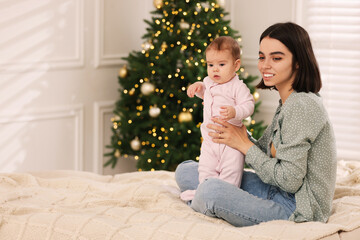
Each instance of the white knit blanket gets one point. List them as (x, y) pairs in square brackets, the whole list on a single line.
[(60, 205)]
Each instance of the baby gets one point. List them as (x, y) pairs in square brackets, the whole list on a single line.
[(225, 96)]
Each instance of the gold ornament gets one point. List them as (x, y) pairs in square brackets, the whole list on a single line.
[(147, 88), (164, 46), (123, 72), (247, 121), (184, 25), (256, 96), (135, 144), (185, 117), (132, 91), (221, 3), (154, 111), (117, 153), (158, 4)]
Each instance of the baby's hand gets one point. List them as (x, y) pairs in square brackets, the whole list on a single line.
[(194, 88), (227, 112)]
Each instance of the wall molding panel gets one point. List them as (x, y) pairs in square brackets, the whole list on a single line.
[(297, 11), (100, 110), (35, 50), (75, 112), (103, 59)]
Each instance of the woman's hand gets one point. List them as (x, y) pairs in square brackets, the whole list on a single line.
[(233, 136)]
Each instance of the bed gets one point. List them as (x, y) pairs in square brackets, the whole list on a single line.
[(145, 205)]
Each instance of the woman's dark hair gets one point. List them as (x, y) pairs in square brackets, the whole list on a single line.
[(297, 40)]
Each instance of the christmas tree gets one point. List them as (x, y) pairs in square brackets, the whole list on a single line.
[(155, 121)]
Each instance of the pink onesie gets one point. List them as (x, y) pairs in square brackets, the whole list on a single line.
[(219, 160)]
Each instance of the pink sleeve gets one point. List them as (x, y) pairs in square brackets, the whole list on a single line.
[(205, 82), (244, 100)]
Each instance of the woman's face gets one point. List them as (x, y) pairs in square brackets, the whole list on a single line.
[(275, 64)]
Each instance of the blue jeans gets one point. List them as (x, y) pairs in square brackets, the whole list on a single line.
[(254, 202)]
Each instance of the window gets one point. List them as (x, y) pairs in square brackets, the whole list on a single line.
[(334, 28)]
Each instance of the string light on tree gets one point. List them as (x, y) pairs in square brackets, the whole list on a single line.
[(164, 46), (132, 91), (147, 46)]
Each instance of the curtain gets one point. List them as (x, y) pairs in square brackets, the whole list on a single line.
[(334, 28)]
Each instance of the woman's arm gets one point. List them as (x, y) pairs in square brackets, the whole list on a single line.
[(284, 173), (292, 139)]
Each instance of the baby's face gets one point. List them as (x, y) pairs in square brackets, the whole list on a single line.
[(221, 67)]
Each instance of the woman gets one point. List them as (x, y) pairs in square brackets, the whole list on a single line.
[(295, 159)]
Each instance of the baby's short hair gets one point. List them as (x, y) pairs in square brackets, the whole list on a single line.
[(225, 43)]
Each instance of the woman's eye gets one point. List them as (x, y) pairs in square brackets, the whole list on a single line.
[(277, 58), (261, 58), (222, 64)]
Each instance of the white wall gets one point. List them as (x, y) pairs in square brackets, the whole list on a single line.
[(58, 75), (58, 79), (251, 18)]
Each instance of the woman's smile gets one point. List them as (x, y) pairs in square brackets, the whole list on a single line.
[(267, 76)]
